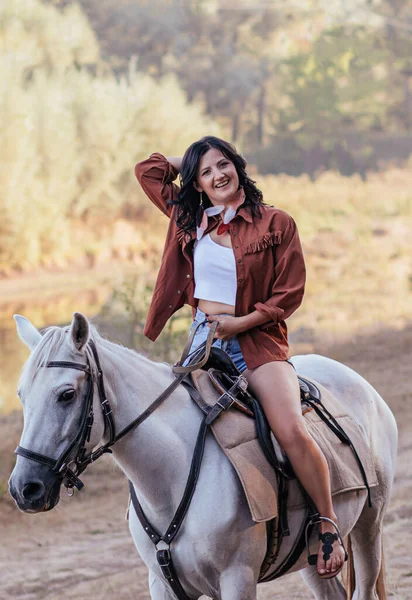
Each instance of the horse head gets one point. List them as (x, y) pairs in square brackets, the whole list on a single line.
[(59, 411)]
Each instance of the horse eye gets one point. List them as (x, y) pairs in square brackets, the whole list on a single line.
[(67, 396)]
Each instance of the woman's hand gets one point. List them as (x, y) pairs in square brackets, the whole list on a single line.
[(175, 161), (228, 326)]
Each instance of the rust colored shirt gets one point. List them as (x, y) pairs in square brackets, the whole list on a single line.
[(270, 267)]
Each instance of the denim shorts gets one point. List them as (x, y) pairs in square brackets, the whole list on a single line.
[(231, 347)]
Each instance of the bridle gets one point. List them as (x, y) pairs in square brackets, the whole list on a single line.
[(74, 459)]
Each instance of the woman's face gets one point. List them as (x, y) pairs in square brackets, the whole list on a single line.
[(217, 177)]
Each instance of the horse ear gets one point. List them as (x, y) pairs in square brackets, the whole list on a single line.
[(79, 330), (27, 332)]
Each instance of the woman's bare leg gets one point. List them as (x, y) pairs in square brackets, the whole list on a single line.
[(276, 386)]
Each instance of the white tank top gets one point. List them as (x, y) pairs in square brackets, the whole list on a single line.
[(214, 271)]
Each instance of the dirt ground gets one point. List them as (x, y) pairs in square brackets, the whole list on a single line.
[(82, 549)]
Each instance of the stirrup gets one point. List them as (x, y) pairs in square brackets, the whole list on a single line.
[(327, 539)]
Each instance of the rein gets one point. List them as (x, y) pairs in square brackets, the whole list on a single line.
[(73, 460)]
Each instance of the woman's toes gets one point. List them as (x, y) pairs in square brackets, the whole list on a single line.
[(330, 566)]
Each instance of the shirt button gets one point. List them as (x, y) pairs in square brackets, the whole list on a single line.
[(188, 276), (234, 233), (170, 306), (236, 246), (178, 291), (239, 260), (240, 280)]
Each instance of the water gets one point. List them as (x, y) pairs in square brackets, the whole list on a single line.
[(42, 310)]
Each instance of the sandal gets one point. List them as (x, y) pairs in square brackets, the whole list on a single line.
[(327, 540)]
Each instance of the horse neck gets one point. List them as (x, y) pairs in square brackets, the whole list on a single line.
[(156, 455)]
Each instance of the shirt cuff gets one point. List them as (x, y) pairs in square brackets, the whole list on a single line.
[(170, 172), (274, 313)]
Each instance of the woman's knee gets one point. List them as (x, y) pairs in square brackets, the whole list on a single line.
[(294, 436)]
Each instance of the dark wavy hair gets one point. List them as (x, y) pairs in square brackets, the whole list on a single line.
[(188, 198)]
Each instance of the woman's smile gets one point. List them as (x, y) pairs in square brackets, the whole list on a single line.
[(221, 185)]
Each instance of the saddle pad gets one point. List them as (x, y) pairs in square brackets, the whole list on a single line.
[(344, 471), (235, 433)]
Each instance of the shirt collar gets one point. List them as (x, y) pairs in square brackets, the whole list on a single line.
[(245, 214), (242, 212)]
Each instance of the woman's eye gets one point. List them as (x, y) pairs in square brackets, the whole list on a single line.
[(67, 396)]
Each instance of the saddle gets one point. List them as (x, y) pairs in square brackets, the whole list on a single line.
[(263, 468)]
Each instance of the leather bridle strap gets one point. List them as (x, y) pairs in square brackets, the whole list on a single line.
[(40, 458), (106, 408), (146, 413)]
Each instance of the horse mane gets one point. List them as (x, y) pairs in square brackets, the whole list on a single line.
[(52, 339)]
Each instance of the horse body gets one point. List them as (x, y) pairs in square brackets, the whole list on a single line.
[(219, 549)]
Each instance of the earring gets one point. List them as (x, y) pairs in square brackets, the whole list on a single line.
[(200, 211)]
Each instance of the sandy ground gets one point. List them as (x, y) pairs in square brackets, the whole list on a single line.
[(82, 549)]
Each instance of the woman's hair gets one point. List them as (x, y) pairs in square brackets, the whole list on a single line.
[(188, 199)]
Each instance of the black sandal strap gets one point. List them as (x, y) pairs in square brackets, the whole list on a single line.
[(326, 538)]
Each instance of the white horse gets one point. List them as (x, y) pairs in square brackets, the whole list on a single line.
[(219, 549)]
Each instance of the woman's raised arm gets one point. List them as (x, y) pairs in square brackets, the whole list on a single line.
[(156, 175), (176, 161)]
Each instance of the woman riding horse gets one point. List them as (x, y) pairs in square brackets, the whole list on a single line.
[(238, 261)]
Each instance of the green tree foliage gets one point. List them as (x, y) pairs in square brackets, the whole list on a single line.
[(339, 84), (288, 76)]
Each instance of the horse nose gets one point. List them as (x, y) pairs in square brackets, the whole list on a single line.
[(34, 490)]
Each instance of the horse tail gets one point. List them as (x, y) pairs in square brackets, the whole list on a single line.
[(350, 571), (381, 581)]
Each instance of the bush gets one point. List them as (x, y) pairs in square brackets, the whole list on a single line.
[(71, 132)]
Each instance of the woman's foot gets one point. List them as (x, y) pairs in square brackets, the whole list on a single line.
[(331, 553)]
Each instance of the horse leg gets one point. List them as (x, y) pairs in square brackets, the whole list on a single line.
[(159, 590), (238, 584), (323, 589), (366, 539)]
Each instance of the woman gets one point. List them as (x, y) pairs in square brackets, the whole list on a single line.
[(239, 261)]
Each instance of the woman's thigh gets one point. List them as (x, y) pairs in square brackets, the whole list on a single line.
[(276, 386)]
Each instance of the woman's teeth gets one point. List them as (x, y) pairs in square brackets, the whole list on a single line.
[(220, 185)]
